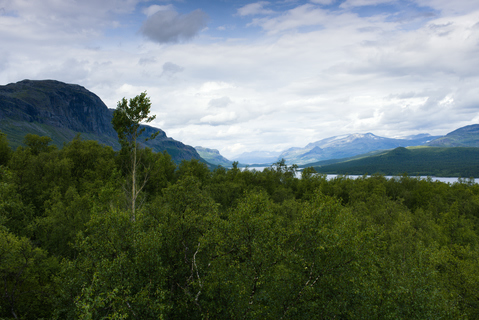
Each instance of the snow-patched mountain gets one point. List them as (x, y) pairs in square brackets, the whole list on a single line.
[(347, 146)]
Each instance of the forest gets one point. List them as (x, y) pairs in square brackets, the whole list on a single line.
[(421, 161), (227, 244)]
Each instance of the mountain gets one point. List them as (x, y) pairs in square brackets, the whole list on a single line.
[(258, 157), (467, 136), (60, 111), (350, 145), (213, 156), (425, 161)]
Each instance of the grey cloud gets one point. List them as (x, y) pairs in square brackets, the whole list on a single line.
[(222, 102), (53, 17), (369, 29), (146, 61), (4, 60), (171, 27), (222, 118), (440, 26), (441, 29), (171, 68), (419, 94)]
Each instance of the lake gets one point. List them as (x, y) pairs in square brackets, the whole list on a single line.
[(442, 179), (332, 176)]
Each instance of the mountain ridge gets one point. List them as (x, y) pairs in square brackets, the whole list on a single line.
[(62, 110), (467, 136), (213, 156), (348, 145)]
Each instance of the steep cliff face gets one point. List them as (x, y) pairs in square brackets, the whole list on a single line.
[(57, 104), (60, 110)]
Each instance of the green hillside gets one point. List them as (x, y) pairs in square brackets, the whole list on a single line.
[(213, 156), (16, 130), (445, 162), (467, 136)]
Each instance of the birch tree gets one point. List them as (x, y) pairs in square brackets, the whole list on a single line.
[(126, 122)]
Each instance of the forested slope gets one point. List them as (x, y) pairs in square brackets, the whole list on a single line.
[(425, 161), (467, 136), (228, 244)]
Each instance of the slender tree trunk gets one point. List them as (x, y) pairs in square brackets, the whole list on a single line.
[(133, 185)]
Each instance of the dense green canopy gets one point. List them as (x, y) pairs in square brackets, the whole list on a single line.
[(228, 244)]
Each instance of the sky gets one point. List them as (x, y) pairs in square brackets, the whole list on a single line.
[(240, 76)]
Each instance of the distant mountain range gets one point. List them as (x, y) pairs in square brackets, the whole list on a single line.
[(454, 155), (336, 147), (60, 111), (348, 146)]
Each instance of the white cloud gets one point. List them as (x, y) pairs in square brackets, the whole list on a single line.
[(359, 3), (220, 118), (305, 15), (151, 10), (255, 9), (447, 7), (323, 2), (314, 73)]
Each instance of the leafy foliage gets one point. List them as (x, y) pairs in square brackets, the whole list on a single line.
[(127, 118), (5, 150), (229, 244), (126, 121)]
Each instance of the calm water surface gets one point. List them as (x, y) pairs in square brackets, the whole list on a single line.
[(332, 176)]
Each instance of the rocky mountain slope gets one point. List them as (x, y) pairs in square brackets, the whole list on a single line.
[(213, 156), (60, 111)]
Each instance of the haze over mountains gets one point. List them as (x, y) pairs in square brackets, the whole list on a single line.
[(336, 147), (61, 111), (454, 155), (347, 146)]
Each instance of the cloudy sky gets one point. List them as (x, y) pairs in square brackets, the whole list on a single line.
[(239, 75)]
